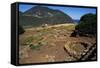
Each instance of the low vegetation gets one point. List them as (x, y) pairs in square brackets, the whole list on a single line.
[(87, 24), (21, 30)]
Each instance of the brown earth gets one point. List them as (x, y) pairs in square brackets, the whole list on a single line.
[(53, 50)]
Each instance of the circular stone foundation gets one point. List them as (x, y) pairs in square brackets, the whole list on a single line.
[(76, 49)]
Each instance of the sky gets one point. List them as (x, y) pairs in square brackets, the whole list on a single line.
[(73, 12)]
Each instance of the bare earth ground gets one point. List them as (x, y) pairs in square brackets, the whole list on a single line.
[(53, 39)]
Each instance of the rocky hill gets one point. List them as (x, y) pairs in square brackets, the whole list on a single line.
[(38, 15)]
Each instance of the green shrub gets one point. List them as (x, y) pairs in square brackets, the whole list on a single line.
[(88, 24), (21, 30), (36, 46)]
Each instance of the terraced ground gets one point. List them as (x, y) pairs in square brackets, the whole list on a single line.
[(47, 44)]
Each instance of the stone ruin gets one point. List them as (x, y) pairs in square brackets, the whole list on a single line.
[(80, 50)]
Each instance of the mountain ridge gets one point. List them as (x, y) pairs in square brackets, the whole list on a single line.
[(38, 15)]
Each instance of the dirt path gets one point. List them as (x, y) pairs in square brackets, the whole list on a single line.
[(53, 51), (51, 26)]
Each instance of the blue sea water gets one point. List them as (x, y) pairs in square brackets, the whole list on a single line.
[(76, 21)]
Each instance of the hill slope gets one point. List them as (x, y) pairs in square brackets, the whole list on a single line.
[(38, 15)]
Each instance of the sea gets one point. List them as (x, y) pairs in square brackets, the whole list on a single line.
[(76, 21)]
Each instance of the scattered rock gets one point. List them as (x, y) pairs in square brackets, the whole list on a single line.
[(50, 58)]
